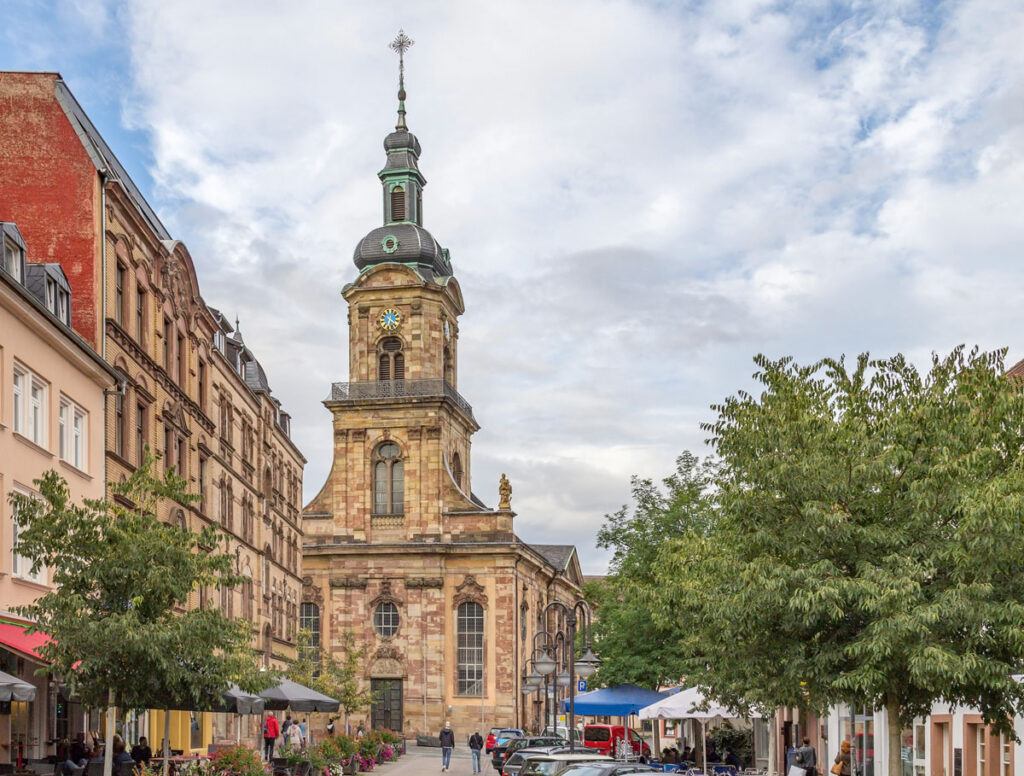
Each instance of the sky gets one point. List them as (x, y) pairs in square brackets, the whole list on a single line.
[(638, 197)]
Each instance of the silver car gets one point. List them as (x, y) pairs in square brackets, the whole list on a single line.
[(516, 760)]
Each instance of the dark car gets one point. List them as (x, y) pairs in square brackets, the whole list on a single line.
[(503, 751)]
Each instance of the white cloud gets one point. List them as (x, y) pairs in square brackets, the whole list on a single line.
[(638, 197)]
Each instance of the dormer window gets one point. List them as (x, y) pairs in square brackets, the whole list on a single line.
[(398, 204), (61, 310), (51, 296), (13, 258)]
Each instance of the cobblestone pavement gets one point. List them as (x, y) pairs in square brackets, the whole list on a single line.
[(426, 760)]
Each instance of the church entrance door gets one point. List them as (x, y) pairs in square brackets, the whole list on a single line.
[(386, 711)]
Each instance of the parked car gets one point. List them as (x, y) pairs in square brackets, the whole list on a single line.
[(563, 731), (489, 743), (554, 764), (514, 761), (500, 733), (604, 739), (606, 769), (501, 753)]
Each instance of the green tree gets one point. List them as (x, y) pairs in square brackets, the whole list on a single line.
[(317, 668), (868, 541), (120, 636), (634, 646)]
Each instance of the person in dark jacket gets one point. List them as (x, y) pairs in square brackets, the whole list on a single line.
[(141, 752), (447, 744), (476, 743)]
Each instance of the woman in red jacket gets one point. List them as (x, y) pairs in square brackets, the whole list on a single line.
[(271, 731)]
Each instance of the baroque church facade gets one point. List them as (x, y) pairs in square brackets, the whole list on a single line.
[(401, 559)]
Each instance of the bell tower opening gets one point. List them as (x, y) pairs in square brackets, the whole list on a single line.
[(398, 204), (390, 360)]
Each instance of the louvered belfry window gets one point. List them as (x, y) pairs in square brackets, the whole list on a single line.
[(390, 359), (388, 481), (397, 204)]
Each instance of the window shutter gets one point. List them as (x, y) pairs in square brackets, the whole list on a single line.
[(398, 204), (399, 366), (384, 369)]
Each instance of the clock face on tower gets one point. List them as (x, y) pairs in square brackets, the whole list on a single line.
[(390, 319)]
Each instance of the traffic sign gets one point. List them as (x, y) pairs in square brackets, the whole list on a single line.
[(581, 686)]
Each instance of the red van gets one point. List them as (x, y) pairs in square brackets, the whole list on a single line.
[(605, 738)]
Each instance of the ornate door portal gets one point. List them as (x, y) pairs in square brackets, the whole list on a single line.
[(386, 711)]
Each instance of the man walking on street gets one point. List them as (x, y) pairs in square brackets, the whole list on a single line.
[(476, 743), (447, 744), (806, 758)]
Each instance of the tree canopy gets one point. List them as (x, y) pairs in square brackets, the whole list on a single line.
[(867, 541), (633, 646), (121, 630), (317, 668)]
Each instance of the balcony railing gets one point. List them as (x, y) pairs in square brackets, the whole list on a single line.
[(398, 389)]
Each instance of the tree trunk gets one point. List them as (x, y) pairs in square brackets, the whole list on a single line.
[(773, 753), (108, 738), (167, 740), (892, 713)]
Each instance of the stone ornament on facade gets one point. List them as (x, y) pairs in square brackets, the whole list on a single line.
[(386, 596), (505, 493), (469, 591), (387, 663)]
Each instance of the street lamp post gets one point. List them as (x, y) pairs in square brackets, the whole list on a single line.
[(577, 613)]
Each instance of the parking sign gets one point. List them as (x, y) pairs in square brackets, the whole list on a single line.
[(581, 686)]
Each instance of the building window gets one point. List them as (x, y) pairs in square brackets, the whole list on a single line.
[(167, 345), (247, 597), (140, 314), (182, 360), (140, 433), (168, 446), (388, 481), (182, 457), (29, 405), (13, 258), (470, 646), (457, 469), (201, 384), (61, 310), (397, 204), (385, 619), (309, 619), (51, 296), (119, 276), (202, 483), (119, 424), (21, 566), (390, 360), (71, 444)]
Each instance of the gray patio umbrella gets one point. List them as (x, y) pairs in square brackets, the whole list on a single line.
[(238, 701), (294, 696), (14, 689)]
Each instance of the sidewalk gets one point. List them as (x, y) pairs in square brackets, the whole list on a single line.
[(427, 759)]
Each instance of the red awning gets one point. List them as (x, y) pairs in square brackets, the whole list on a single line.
[(15, 638)]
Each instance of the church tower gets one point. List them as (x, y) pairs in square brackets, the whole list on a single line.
[(400, 558)]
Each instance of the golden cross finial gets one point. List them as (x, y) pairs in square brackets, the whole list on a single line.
[(401, 44)]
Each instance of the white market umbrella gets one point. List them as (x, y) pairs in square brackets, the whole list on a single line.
[(14, 689), (691, 704)]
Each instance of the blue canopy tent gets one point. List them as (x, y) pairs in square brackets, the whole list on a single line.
[(619, 701)]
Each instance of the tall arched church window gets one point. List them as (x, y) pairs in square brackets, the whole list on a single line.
[(470, 646), (388, 480), (457, 469), (309, 619), (398, 204), (390, 359)]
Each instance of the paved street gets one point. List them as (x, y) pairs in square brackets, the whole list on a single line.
[(427, 759)]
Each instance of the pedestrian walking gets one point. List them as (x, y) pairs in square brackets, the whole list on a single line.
[(294, 736), (271, 730), (842, 763), (330, 726), (476, 743), (447, 744), (807, 758)]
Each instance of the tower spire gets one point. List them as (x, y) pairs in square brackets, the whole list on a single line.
[(401, 44)]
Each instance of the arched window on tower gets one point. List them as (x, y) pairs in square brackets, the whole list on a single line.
[(398, 204), (446, 365), (419, 207), (390, 359), (457, 469), (388, 480)]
